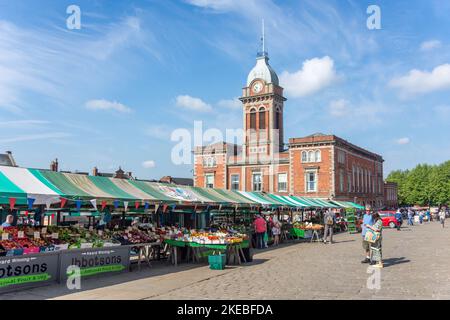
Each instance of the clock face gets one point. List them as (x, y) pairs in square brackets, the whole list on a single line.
[(257, 87)]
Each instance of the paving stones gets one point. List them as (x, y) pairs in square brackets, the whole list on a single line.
[(416, 261)]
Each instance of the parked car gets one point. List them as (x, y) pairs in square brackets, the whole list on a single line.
[(389, 220)]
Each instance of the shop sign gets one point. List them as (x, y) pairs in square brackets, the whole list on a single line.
[(18, 272), (95, 261)]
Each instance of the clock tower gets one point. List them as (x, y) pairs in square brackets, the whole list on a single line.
[(263, 104)]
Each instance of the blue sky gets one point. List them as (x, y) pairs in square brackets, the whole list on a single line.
[(111, 93)]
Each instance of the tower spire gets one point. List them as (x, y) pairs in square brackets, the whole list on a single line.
[(263, 37), (263, 52)]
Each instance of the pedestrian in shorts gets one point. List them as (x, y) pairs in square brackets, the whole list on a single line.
[(367, 221)]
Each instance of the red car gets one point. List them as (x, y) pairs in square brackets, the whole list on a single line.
[(388, 218)]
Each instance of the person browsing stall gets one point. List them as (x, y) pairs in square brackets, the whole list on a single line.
[(9, 221), (367, 221)]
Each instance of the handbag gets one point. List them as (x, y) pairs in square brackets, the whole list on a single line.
[(371, 236)]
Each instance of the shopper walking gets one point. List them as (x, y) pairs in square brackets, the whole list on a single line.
[(428, 215), (276, 231), (376, 256), (410, 217), (367, 221), (260, 229), (329, 220), (442, 217), (421, 214), (399, 218)]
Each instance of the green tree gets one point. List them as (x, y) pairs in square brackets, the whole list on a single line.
[(424, 185)]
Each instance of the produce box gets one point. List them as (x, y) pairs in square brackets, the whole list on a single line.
[(63, 246), (217, 262), (14, 252), (31, 250), (86, 245), (48, 248), (111, 244)]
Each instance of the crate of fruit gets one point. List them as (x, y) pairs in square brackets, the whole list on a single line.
[(11, 248)]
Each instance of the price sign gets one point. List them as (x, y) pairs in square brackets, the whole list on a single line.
[(5, 236), (20, 235), (153, 229), (37, 235), (55, 235), (91, 228), (44, 230), (100, 233)]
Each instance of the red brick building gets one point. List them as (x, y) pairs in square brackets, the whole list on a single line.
[(318, 165)]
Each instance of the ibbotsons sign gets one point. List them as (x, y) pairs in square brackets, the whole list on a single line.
[(28, 271), (95, 261)]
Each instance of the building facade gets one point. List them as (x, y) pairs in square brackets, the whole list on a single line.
[(319, 165)]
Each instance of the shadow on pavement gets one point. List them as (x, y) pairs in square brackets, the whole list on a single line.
[(344, 241), (393, 261)]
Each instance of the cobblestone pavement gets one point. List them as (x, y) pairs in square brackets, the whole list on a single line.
[(416, 267)]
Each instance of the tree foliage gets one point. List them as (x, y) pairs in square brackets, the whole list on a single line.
[(424, 185)]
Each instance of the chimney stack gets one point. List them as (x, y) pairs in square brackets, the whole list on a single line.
[(54, 165)]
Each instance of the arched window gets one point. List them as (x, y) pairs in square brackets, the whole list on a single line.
[(277, 119), (262, 118), (318, 156), (310, 156), (253, 119), (304, 156)]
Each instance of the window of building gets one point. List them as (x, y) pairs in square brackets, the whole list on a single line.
[(209, 181), (318, 156), (310, 156), (341, 180), (277, 119), (304, 156), (235, 182), (262, 118), (349, 182), (253, 119), (257, 181), (282, 182), (354, 179), (341, 157), (209, 162), (311, 181)]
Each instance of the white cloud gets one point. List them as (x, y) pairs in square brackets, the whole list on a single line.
[(339, 108), (315, 75), (161, 132), (22, 123), (430, 45), (418, 82), (149, 164), (33, 137), (194, 104), (215, 4), (230, 104), (102, 104), (403, 141)]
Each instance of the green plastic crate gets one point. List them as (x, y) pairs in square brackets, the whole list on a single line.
[(217, 262)]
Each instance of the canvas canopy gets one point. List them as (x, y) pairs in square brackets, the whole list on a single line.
[(48, 187)]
